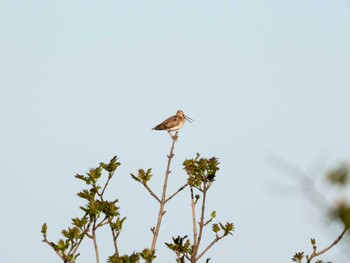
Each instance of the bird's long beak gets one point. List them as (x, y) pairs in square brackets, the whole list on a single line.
[(188, 118)]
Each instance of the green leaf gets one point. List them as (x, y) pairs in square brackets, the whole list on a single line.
[(94, 174), (201, 171), (229, 228), (142, 176), (44, 229), (112, 166), (135, 178), (298, 257), (80, 223), (215, 228), (313, 241), (213, 214), (148, 255), (61, 245)]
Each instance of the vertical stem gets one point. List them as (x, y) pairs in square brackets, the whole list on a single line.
[(95, 243), (195, 245), (201, 222), (114, 241), (197, 238), (162, 203)]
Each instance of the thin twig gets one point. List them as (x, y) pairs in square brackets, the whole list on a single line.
[(151, 192), (180, 189), (105, 221), (114, 237), (162, 203), (316, 254), (209, 246), (77, 245), (110, 174), (209, 221), (109, 220), (115, 243), (201, 224), (53, 247)]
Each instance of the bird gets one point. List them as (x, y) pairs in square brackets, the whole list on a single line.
[(173, 123)]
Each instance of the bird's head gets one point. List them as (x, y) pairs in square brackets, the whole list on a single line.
[(182, 114)]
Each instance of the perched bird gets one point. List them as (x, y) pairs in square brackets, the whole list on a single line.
[(173, 123)]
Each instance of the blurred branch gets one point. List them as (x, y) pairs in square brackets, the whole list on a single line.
[(337, 176), (316, 254), (307, 185)]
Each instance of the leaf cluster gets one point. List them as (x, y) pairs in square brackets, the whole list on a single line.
[(133, 258), (143, 176), (201, 175), (337, 177), (201, 171), (97, 213)]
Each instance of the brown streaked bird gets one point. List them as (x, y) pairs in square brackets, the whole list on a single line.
[(173, 123)]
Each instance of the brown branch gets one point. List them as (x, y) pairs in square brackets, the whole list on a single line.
[(76, 246), (103, 222), (95, 242), (85, 231), (162, 202), (217, 238), (178, 191), (201, 225), (316, 254), (151, 192), (114, 236), (110, 174), (51, 244), (194, 223), (209, 221)]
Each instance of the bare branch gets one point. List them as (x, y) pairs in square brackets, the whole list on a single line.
[(110, 174), (151, 192), (95, 243), (209, 221), (103, 222), (178, 191), (53, 247), (217, 238), (194, 223), (201, 224), (162, 202)]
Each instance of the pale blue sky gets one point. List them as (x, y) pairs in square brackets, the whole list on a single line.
[(82, 81)]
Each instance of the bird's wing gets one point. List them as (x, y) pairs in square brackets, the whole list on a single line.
[(168, 123)]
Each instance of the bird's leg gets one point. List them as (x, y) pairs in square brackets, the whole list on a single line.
[(174, 137)]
